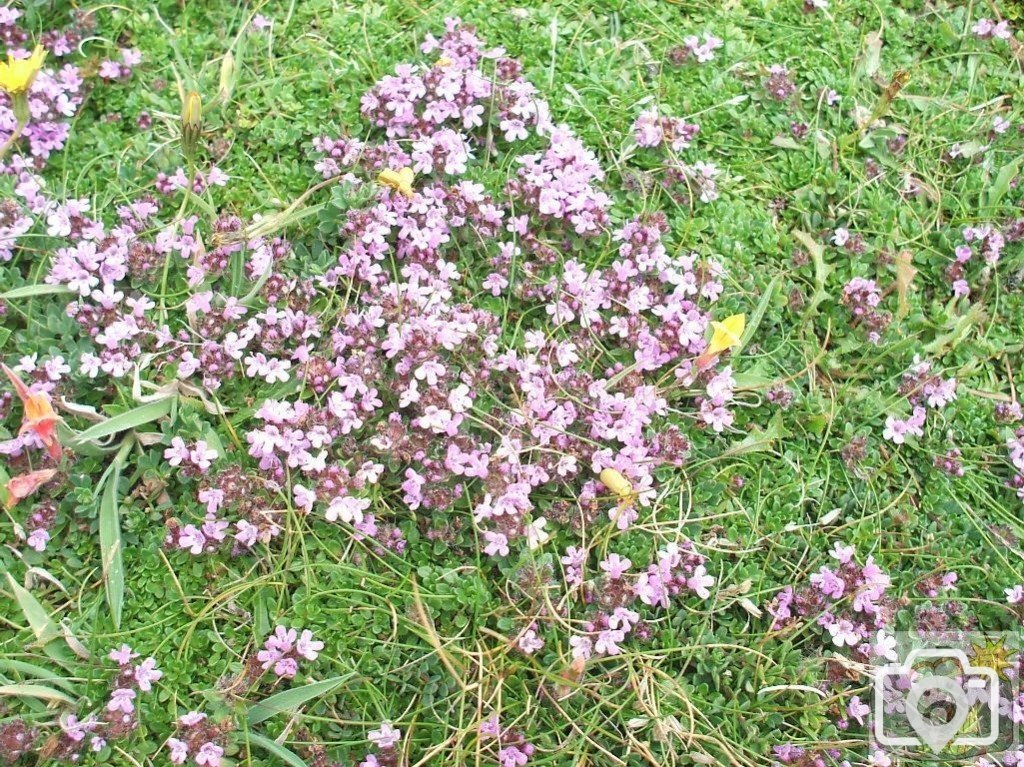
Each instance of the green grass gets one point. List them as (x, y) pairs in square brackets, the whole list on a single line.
[(423, 640)]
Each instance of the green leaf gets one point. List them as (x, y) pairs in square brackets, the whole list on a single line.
[(1000, 186), (21, 668), (130, 419), (276, 749), (290, 700), (760, 440), (34, 691), (758, 314), (822, 269), (43, 626), (30, 291), (111, 548), (786, 142)]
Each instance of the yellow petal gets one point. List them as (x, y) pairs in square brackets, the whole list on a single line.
[(399, 180), (17, 75), (617, 483), (727, 333)]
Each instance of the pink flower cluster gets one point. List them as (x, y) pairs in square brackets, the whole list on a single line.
[(652, 130), (779, 85), (1015, 451), (285, 648), (989, 242), (386, 739), (14, 222), (678, 571), (862, 297), (198, 183), (120, 716), (54, 97), (512, 748), (198, 737), (987, 29), (247, 496), (456, 93), (701, 48), (920, 387), (849, 602), (120, 70), (397, 392), (561, 183), (199, 457)]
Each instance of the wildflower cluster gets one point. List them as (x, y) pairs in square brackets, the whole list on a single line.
[(54, 94), (862, 297), (1015, 449), (284, 649), (987, 29), (921, 388), (118, 718), (697, 48), (611, 596), (121, 69), (985, 240), (199, 739), (652, 129), (412, 364), (386, 739), (511, 748), (434, 104), (849, 602)]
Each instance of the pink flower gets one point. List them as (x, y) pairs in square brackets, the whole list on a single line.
[(582, 646), (386, 737), (347, 508), (857, 709), (608, 642), (842, 554), (700, 582), (202, 456), (615, 566), (308, 647), (146, 673), (178, 749), (844, 633), (885, 646), (177, 452), (828, 583), (121, 700), (529, 642), (497, 544), (123, 655), (209, 755), (512, 756)]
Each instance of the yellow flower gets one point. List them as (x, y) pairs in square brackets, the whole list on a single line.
[(399, 180), (444, 61), (727, 334), (17, 75)]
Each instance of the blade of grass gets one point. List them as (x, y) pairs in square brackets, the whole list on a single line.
[(290, 700), (130, 419), (34, 691), (110, 535), (275, 749)]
